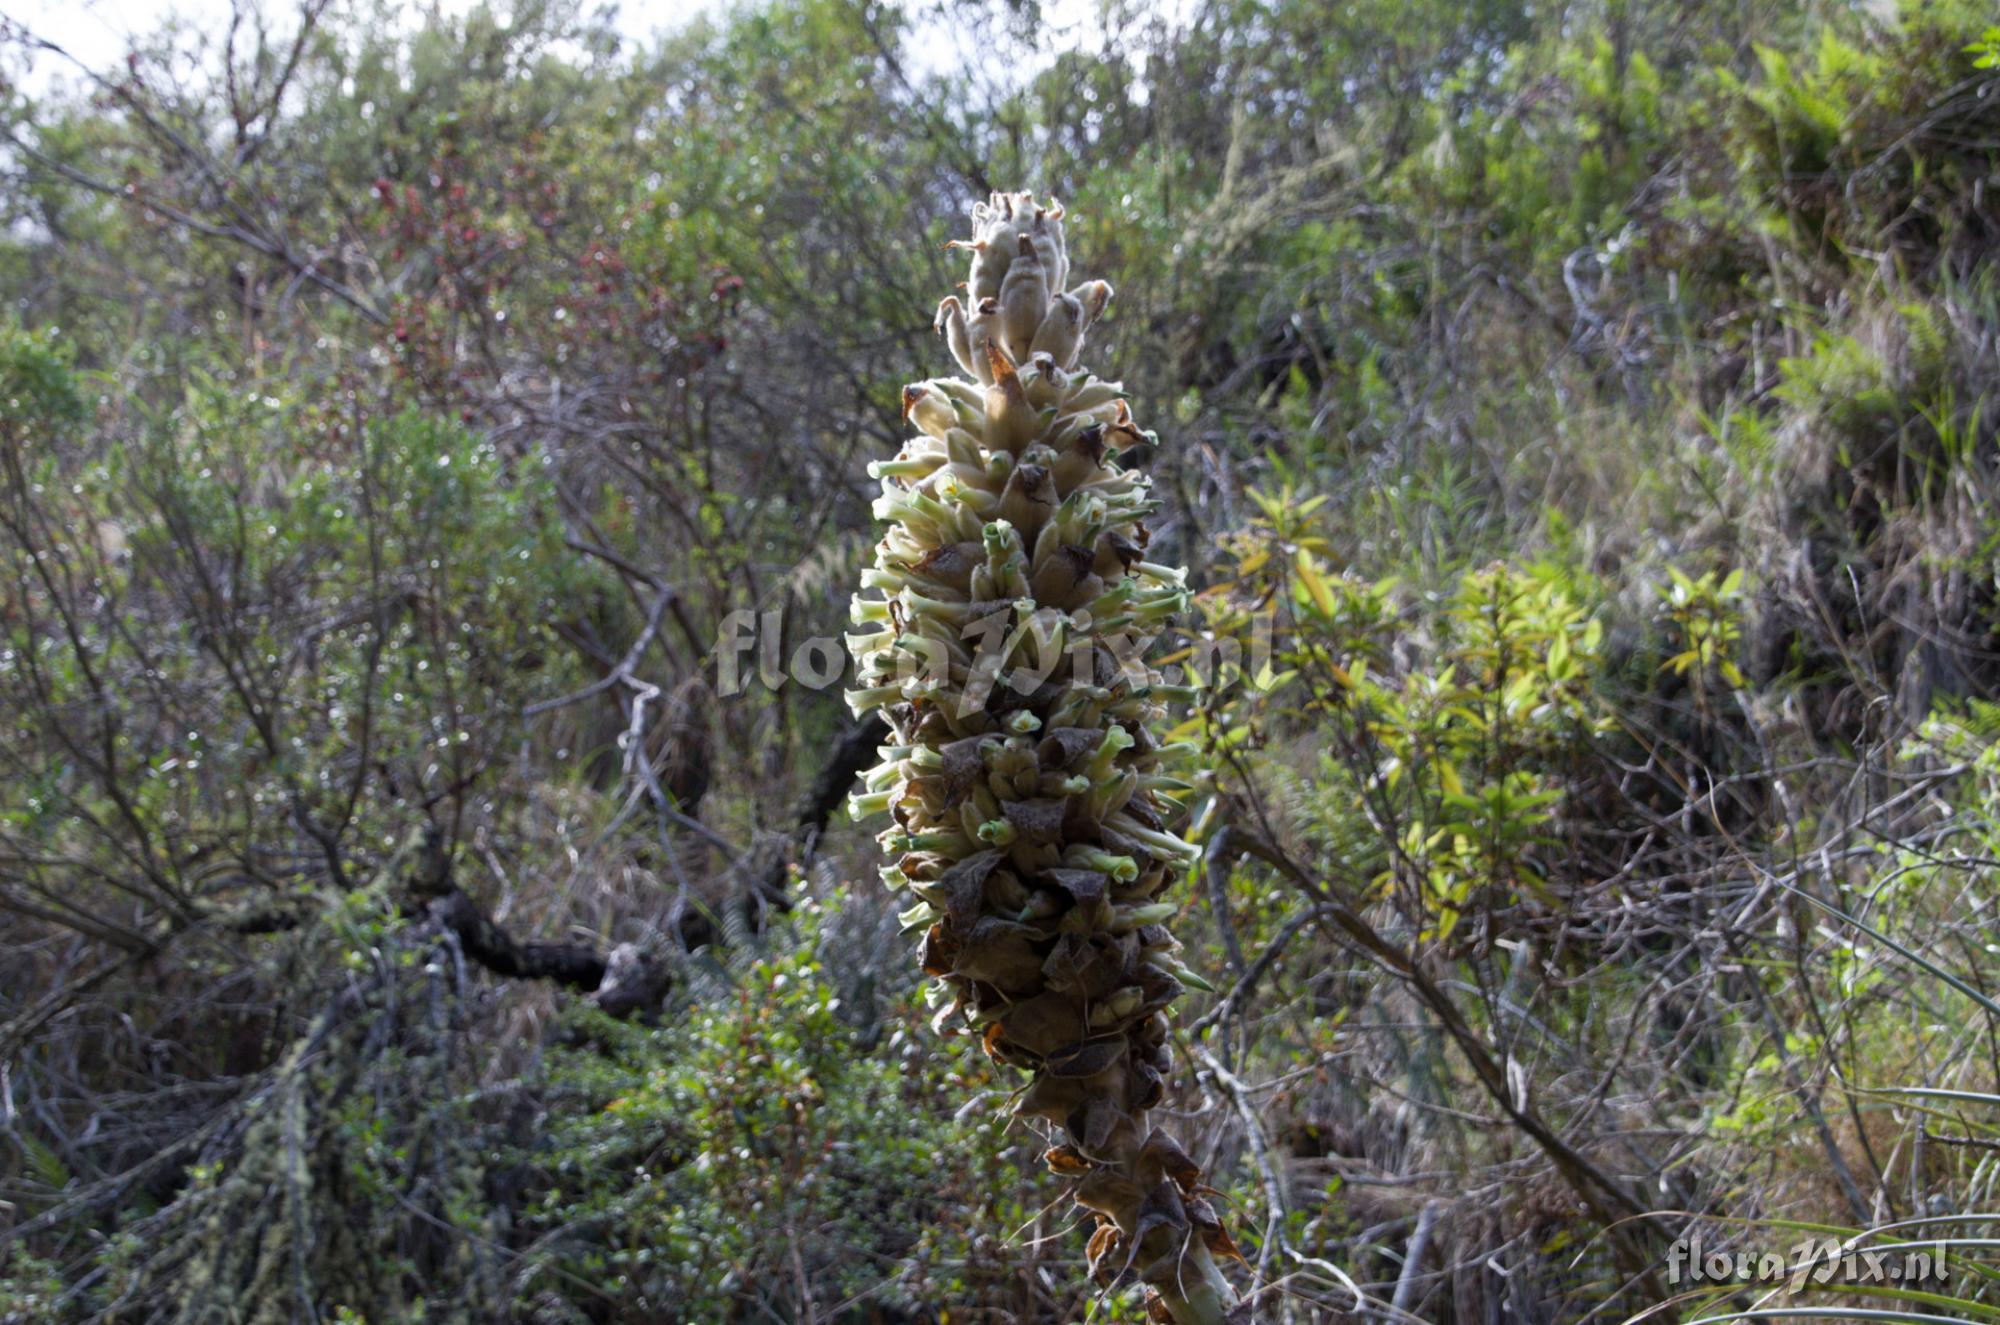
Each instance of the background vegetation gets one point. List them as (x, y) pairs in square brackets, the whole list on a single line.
[(1598, 396)]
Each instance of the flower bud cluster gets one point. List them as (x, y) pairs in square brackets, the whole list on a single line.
[(1002, 632)]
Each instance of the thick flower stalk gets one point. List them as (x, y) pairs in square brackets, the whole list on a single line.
[(1003, 634)]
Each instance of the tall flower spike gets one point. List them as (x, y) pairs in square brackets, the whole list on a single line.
[(1032, 821)]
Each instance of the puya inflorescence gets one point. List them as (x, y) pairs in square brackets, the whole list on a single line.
[(1003, 633)]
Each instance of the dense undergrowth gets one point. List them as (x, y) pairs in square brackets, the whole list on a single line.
[(1581, 425)]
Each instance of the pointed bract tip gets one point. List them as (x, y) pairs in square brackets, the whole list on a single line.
[(1001, 363)]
